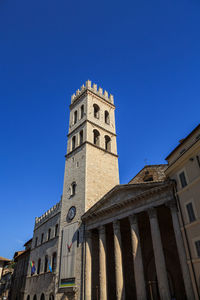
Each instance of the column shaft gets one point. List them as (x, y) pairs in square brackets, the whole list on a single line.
[(137, 259), (88, 266), (181, 252), (159, 256), (120, 289), (102, 263)]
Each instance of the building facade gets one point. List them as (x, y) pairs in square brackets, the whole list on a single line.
[(184, 168), (104, 240)]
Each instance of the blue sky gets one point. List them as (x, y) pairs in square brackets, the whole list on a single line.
[(146, 53)]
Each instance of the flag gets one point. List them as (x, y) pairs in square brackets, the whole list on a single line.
[(33, 269), (50, 268)]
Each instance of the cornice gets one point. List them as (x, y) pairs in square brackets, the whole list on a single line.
[(146, 194), (92, 123), (86, 142)]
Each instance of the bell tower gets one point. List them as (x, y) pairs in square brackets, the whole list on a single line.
[(91, 170)]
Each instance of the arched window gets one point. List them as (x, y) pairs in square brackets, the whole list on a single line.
[(96, 137), (107, 143), (28, 297), (82, 111), (51, 297), (35, 297), (42, 297), (46, 264), (54, 259), (56, 230), (73, 142), (38, 266), (49, 234), (73, 188), (81, 137), (107, 117), (75, 116), (42, 238), (96, 111)]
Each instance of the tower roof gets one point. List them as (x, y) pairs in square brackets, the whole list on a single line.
[(93, 88)]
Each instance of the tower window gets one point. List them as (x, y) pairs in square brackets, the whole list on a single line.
[(42, 238), (54, 262), (107, 143), (36, 241), (96, 111), (56, 230), (96, 137), (38, 266), (73, 188), (73, 142), (46, 264), (81, 137), (75, 116), (49, 234), (107, 117), (82, 111)]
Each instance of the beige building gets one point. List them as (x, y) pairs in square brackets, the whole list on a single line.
[(184, 168)]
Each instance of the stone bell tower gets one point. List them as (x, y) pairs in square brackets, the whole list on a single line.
[(91, 170)]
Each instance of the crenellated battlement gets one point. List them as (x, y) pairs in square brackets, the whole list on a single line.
[(48, 214), (99, 92)]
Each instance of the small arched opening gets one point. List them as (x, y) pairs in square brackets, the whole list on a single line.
[(107, 117), (96, 111), (96, 137), (107, 143)]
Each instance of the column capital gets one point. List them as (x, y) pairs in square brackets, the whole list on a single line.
[(102, 229), (116, 225), (172, 205), (88, 234), (132, 219), (152, 212)]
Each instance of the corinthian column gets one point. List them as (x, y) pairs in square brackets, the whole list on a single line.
[(88, 266), (159, 256), (102, 263), (120, 290), (181, 252), (137, 259)]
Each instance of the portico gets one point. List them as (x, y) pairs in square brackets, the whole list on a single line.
[(135, 246)]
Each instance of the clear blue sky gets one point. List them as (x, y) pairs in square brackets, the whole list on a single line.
[(146, 53)]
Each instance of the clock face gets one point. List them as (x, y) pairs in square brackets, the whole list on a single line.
[(71, 213)]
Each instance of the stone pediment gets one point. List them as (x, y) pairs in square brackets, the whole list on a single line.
[(120, 195)]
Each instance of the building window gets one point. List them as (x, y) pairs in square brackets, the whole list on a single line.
[(183, 179), (36, 241), (107, 117), (96, 111), (197, 244), (73, 188), (54, 258), (190, 211), (42, 297), (38, 266), (73, 142), (46, 263), (96, 137), (49, 234), (198, 160), (28, 297), (75, 116), (56, 230), (81, 137), (42, 238), (35, 297), (51, 297), (107, 143), (82, 111)]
